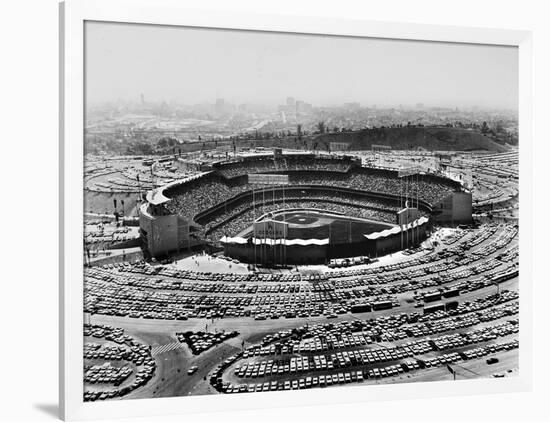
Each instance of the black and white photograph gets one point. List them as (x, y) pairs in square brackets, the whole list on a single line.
[(273, 211)]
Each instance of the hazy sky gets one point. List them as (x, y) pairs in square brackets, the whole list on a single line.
[(199, 65)]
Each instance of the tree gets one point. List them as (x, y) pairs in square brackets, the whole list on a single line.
[(321, 127), (141, 148), (167, 141), (484, 128)]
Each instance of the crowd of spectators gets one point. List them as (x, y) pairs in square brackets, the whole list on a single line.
[(203, 194), (284, 163), (241, 217)]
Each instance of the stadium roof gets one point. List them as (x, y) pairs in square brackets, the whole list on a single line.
[(286, 242), (397, 229), (156, 196)]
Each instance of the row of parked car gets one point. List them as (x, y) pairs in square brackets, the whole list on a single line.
[(493, 348), (328, 362), (106, 351), (100, 299), (118, 289), (106, 373), (356, 376), (143, 267), (142, 377), (491, 332), (476, 238), (483, 305), (164, 281), (455, 237), (345, 334), (219, 279), (128, 349), (372, 356), (428, 328)]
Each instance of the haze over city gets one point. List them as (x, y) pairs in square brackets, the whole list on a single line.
[(189, 65)]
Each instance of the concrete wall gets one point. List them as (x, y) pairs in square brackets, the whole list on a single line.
[(401, 241), (163, 234), (313, 254), (277, 255), (462, 207), (455, 209)]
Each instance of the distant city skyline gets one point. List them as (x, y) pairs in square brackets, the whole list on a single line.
[(275, 105), (153, 63)]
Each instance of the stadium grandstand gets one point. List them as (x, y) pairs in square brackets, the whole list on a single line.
[(216, 207)]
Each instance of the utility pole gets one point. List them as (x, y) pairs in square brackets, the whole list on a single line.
[(452, 371)]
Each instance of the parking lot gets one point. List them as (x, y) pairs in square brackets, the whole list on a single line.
[(453, 304)]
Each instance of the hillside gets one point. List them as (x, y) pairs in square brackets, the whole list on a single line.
[(430, 138)]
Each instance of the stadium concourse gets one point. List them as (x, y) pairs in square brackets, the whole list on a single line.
[(444, 306)]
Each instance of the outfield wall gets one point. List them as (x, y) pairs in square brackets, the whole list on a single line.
[(278, 252)]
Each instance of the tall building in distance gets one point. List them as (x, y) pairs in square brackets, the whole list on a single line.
[(352, 106), (293, 107), (303, 107)]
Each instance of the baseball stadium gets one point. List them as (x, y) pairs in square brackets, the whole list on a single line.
[(279, 209), (270, 270), (275, 211)]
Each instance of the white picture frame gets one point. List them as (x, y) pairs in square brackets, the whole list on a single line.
[(73, 14)]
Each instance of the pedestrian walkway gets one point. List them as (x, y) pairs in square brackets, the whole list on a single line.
[(157, 350)]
